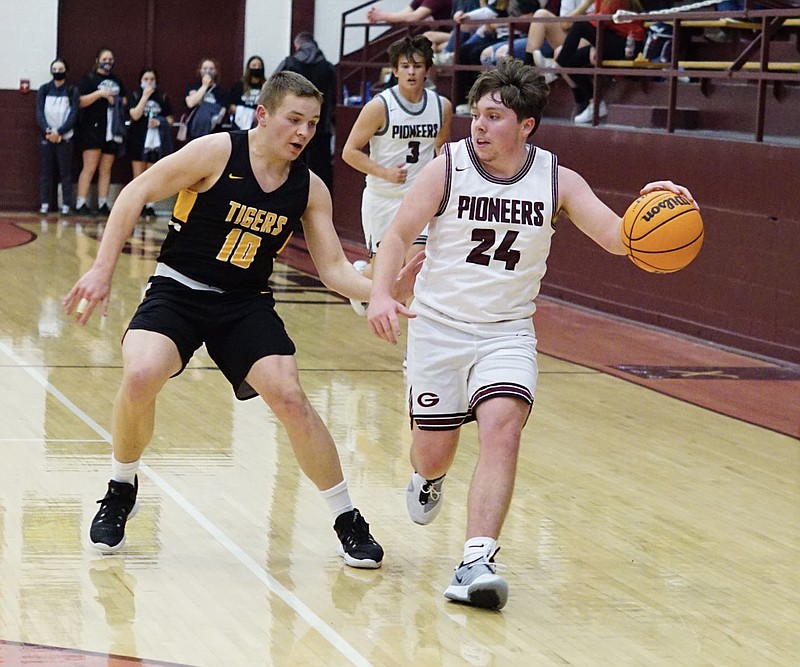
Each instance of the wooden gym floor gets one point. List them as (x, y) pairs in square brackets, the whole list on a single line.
[(656, 517)]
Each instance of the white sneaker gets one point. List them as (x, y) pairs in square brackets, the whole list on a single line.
[(585, 116), (547, 63), (44, 208), (360, 306), (424, 498), (65, 210), (443, 58), (476, 583)]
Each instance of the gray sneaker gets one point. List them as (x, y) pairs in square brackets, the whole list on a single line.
[(476, 583), (424, 498)]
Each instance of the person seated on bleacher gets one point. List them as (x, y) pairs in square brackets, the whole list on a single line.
[(417, 10), (486, 35), (545, 39), (444, 43), (572, 54), (720, 35), (494, 53)]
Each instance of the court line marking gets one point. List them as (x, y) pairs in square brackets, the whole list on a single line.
[(335, 639)]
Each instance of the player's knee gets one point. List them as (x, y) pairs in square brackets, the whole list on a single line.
[(288, 403), (141, 384)]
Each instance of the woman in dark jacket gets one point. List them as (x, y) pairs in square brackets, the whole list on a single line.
[(56, 114)]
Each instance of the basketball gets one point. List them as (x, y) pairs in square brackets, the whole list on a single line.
[(662, 232)]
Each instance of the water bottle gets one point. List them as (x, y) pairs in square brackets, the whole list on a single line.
[(630, 46)]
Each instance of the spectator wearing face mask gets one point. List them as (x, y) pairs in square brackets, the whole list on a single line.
[(149, 136), (206, 99), (101, 129), (56, 114), (244, 94)]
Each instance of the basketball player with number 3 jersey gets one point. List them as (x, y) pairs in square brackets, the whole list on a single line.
[(405, 126), (491, 202)]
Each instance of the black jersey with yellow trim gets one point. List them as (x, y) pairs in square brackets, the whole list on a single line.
[(229, 235)]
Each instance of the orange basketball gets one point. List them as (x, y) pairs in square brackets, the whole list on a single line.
[(662, 232)]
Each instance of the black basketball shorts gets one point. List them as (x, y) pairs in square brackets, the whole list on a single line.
[(238, 328)]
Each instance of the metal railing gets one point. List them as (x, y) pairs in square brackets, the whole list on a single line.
[(752, 64)]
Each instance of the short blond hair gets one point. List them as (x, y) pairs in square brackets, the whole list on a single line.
[(281, 84)]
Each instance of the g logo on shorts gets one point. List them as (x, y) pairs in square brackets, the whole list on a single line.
[(427, 399)]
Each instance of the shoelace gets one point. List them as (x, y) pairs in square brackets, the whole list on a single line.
[(359, 529), (429, 491), (488, 561)]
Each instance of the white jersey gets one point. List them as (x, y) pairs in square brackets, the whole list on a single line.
[(488, 244), (406, 137)]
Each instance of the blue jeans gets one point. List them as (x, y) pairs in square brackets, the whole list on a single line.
[(50, 155)]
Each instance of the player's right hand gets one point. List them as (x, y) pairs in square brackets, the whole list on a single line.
[(382, 316), (398, 173), (91, 290)]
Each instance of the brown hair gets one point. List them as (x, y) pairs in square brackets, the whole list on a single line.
[(409, 47), (520, 87)]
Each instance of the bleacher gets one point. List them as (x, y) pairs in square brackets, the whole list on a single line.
[(762, 51)]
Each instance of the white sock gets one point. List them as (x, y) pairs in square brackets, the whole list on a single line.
[(123, 472), (80, 201), (102, 201), (149, 203), (338, 498), (477, 547)]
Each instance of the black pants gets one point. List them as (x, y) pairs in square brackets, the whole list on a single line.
[(50, 155), (572, 56)]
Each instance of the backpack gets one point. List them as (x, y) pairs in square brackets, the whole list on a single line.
[(658, 44)]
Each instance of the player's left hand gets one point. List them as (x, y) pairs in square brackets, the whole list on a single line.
[(668, 185)]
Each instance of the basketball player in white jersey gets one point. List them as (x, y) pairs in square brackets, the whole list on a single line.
[(405, 126), (491, 202)]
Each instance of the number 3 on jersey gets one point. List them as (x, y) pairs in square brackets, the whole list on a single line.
[(413, 155), (482, 253), (239, 248)]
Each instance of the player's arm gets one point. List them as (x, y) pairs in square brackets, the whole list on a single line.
[(417, 209), (196, 166), (592, 216), (369, 122), (443, 135), (335, 271), (588, 213)]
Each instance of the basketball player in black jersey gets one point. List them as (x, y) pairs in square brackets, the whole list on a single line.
[(241, 196)]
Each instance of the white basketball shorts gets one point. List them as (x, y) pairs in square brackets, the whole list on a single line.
[(451, 370)]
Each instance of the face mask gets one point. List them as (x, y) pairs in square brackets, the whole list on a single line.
[(59, 76), (106, 67), (208, 72), (257, 73), (146, 85)]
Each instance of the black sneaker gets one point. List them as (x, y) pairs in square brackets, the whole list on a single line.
[(83, 209), (108, 526), (104, 210), (148, 212), (358, 547)]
